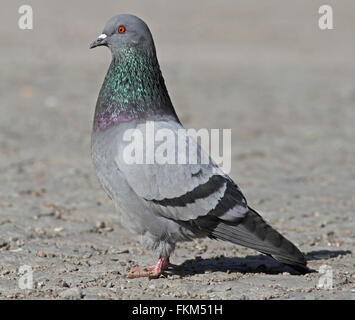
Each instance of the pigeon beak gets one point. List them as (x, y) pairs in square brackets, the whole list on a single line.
[(100, 41)]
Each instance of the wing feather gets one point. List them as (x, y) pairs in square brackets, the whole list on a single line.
[(183, 191)]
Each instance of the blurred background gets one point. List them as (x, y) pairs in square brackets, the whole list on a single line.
[(265, 70)]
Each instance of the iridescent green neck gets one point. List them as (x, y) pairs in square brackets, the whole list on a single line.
[(133, 88)]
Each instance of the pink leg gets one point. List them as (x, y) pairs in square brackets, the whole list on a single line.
[(152, 272)]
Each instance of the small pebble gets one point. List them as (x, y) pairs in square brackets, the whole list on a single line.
[(100, 225), (72, 293), (41, 254)]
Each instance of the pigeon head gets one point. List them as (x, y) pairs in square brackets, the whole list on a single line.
[(134, 87), (124, 31)]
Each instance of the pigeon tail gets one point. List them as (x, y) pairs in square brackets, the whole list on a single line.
[(253, 232)]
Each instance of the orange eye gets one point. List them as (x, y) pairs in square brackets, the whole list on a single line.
[(121, 29)]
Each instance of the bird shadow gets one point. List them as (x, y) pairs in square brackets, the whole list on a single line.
[(250, 264)]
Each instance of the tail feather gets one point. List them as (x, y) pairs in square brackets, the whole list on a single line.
[(253, 232)]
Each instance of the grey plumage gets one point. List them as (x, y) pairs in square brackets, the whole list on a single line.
[(165, 203)]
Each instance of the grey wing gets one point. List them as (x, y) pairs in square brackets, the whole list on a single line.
[(184, 192), (218, 197)]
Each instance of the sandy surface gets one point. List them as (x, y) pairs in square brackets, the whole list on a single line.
[(285, 88)]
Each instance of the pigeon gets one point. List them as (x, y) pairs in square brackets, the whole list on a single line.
[(162, 201)]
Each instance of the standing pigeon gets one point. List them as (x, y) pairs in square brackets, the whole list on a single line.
[(164, 202)]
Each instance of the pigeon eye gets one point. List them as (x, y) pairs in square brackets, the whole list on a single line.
[(121, 29)]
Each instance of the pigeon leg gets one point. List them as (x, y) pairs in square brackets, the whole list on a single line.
[(152, 272)]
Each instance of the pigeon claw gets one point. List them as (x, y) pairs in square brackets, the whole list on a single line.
[(142, 269), (152, 272), (156, 275)]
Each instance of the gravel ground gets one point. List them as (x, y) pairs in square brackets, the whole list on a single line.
[(285, 88)]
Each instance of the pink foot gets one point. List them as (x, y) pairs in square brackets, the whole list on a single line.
[(152, 272)]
